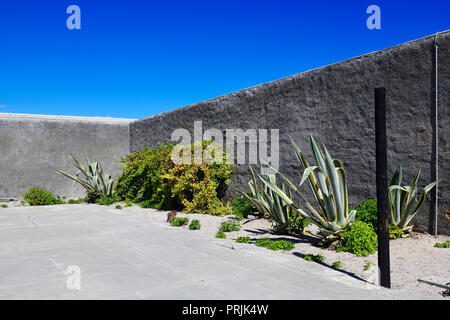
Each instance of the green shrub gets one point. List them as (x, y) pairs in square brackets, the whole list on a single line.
[(229, 226), (315, 258), (107, 200), (244, 240), (151, 175), (179, 222), (395, 232), (4, 206), (367, 212), (221, 235), (118, 207), (445, 244), (195, 225), (146, 204), (243, 207), (41, 197), (142, 178), (360, 239), (337, 264)]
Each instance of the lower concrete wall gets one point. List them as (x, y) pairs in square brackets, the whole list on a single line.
[(336, 104), (33, 146)]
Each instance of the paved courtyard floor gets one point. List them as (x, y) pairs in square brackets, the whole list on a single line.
[(122, 254)]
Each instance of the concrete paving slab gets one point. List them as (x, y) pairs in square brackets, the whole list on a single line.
[(127, 255)]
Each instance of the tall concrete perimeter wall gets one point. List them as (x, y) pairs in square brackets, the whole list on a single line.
[(336, 104), (33, 146)]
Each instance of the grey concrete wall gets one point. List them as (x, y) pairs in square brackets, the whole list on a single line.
[(33, 146), (335, 104)]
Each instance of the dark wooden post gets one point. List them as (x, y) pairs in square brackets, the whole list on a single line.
[(382, 187)]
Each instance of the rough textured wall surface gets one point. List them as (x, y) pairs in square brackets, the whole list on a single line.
[(33, 146), (336, 104)]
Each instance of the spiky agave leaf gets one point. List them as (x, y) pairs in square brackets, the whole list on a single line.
[(328, 181), (95, 181), (402, 200)]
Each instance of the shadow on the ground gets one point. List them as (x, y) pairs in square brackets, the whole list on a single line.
[(314, 241), (351, 274)]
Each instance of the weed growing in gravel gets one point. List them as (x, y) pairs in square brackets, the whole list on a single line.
[(118, 207), (274, 245), (395, 232), (445, 244), (244, 240), (337, 264), (229, 226), (195, 225), (221, 235), (314, 258), (107, 200), (73, 201), (263, 242), (4, 206), (367, 266), (179, 222)]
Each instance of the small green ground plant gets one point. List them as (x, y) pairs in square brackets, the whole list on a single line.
[(195, 225), (4, 206), (395, 232), (76, 201), (314, 258), (229, 226), (119, 207), (337, 265), (38, 196), (179, 222), (274, 244), (367, 266), (445, 244), (360, 240), (107, 200), (221, 235), (244, 240)]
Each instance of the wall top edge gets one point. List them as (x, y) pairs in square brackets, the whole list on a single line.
[(23, 116), (433, 37)]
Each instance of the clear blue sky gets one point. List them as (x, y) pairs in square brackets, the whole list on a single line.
[(133, 59)]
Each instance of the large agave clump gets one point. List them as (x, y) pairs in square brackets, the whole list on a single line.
[(328, 181), (96, 183), (403, 202), (269, 202)]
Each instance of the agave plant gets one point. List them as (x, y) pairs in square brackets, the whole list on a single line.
[(328, 181), (96, 183), (403, 202), (269, 202)]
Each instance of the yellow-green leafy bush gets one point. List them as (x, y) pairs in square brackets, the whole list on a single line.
[(152, 176)]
